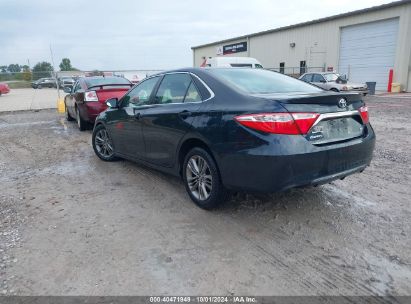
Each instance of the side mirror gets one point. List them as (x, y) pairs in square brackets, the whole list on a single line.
[(112, 102), (67, 90), (322, 81)]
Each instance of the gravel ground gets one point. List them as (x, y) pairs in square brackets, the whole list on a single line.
[(71, 224)]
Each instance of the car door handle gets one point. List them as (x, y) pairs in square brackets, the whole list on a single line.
[(184, 114), (137, 114)]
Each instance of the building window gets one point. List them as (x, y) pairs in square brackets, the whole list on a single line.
[(282, 66), (302, 67)]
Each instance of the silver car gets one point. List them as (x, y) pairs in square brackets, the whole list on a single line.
[(333, 82)]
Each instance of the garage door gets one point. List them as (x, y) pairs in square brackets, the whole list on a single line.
[(367, 51)]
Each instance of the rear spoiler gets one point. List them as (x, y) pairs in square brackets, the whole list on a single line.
[(111, 85)]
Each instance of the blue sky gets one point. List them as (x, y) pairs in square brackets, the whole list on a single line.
[(155, 34)]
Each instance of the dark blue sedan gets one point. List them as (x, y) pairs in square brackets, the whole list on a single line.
[(237, 129)]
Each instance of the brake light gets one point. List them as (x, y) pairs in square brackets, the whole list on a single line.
[(279, 123), (91, 96), (364, 114)]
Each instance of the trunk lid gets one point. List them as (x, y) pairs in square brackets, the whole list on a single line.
[(104, 94), (339, 119)]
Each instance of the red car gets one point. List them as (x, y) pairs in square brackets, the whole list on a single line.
[(87, 98), (4, 88)]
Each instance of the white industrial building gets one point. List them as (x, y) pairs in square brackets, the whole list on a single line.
[(363, 45)]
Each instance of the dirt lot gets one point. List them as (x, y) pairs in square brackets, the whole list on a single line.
[(71, 224)]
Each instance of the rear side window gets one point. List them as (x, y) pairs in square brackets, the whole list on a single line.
[(259, 81), (192, 94), (241, 65), (173, 88)]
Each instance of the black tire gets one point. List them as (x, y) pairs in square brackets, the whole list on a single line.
[(334, 90), (97, 144), (217, 194), (81, 123), (68, 116), (0, 93), (39, 86)]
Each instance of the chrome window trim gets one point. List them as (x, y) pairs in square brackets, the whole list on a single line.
[(212, 95)]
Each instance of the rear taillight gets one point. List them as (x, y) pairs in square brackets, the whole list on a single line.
[(90, 96), (279, 123), (364, 114)]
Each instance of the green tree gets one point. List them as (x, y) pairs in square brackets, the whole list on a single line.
[(25, 68), (42, 69), (14, 68), (3, 69), (65, 65)]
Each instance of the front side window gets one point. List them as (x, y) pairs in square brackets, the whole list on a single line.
[(318, 78), (141, 93), (173, 88), (259, 81)]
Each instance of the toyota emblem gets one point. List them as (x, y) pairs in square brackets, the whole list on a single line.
[(342, 103)]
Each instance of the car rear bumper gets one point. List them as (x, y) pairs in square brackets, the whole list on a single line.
[(92, 110), (295, 164), (359, 91)]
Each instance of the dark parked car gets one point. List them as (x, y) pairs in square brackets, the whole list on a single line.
[(87, 98), (237, 129), (66, 82), (44, 83)]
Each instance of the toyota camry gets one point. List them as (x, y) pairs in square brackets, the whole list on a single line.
[(237, 129)]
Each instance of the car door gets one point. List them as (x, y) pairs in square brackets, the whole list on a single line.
[(319, 81), (76, 94), (125, 124), (69, 100), (170, 117)]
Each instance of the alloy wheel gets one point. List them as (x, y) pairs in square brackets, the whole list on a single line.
[(103, 144), (199, 177)]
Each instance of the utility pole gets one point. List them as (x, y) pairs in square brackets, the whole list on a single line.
[(55, 73)]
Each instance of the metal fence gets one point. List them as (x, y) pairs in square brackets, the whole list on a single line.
[(22, 79)]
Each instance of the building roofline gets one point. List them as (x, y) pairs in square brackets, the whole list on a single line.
[(315, 21)]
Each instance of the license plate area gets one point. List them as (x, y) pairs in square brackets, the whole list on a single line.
[(336, 129)]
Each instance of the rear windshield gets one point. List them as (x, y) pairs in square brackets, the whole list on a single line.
[(258, 81), (106, 81)]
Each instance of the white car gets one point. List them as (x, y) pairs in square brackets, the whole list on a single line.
[(232, 62), (333, 82)]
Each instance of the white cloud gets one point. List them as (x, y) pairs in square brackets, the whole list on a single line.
[(143, 34)]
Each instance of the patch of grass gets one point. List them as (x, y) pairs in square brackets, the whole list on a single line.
[(19, 84)]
